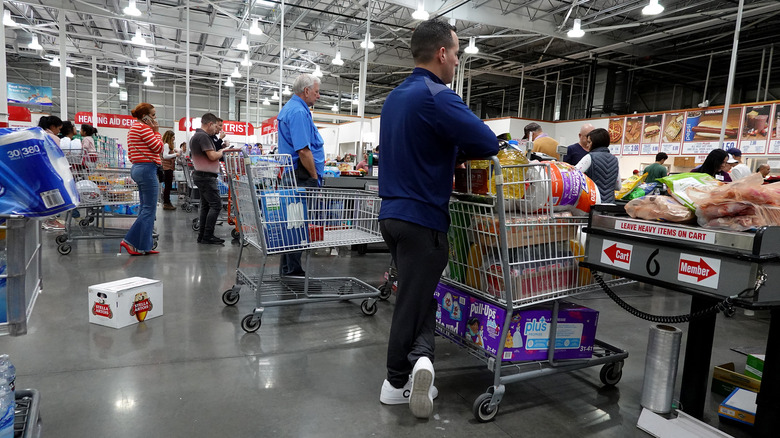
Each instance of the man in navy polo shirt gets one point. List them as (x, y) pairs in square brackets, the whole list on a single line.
[(424, 125)]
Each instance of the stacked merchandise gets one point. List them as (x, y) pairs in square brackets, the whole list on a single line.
[(108, 150)]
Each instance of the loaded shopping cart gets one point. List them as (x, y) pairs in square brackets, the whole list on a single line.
[(277, 217), (513, 259), (109, 200)]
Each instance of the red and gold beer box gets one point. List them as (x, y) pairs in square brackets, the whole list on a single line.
[(125, 302)]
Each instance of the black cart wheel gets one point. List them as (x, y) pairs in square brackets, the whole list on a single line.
[(481, 408), (368, 307), (230, 297), (195, 224), (154, 244), (64, 249), (609, 374), (250, 326), (62, 238), (385, 290), (84, 222), (235, 234), (187, 208)]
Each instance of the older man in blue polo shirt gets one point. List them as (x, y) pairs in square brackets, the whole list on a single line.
[(299, 138), (424, 125)]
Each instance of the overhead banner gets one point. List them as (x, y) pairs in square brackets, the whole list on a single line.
[(755, 129), (616, 135), (29, 94), (228, 127), (671, 133), (632, 135), (105, 120), (702, 130), (270, 126), (651, 134)]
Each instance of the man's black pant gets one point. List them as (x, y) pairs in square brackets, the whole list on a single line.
[(210, 202), (420, 256), (290, 263)]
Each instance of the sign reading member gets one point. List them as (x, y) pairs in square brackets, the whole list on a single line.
[(701, 271), (617, 254)]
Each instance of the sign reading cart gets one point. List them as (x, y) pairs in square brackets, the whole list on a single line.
[(617, 254), (701, 271)]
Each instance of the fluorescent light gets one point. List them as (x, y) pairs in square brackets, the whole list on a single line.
[(472, 48), (286, 90), (142, 57), (229, 82), (236, 73), (243, 45), (266, 101), (131, 9), (317, 72), (55, 62), (335, 108), (34, 43), (576, 31), (255, 29), (68, 73), (652, 8), (149, 82), (420, 13), (246, 62), (138, 39), (275, 96), (367, 39), (7, 20), (114, 83), (337, 60)]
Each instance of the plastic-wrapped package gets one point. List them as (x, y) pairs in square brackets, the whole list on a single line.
[(737, 215), (571, 189), (643, 189), (628, 185), (690, 188), (35, 178), (657, 207)]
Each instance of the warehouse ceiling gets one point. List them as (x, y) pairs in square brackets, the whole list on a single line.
[(522, 43)]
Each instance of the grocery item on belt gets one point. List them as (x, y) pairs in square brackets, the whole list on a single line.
[(687, 188), (628, 184), (657, 207)]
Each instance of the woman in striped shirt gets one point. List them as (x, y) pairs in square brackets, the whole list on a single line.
[(144, 146)]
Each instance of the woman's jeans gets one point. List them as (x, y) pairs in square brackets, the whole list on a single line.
[(140, 234)]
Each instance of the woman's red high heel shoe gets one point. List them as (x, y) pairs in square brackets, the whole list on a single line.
[(129, 248), (152, 252)]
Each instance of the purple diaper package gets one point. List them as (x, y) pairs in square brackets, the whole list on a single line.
[(452, 310), (529, 330)]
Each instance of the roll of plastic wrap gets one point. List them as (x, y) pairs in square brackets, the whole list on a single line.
[(663, 353)]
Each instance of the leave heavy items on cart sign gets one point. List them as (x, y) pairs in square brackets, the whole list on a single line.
[(277, 217)]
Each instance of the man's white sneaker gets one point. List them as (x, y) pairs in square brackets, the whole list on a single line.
[(421, 397), (391, 395)]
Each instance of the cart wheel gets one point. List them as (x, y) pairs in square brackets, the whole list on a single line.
[(235, 234), (195, 224), (154, 244), (64, 249), (729, 312), (62, 238), (385, 291), (248, 325), (187, 208), (609, 376), (368, 307), (481, 408), (84, 222), (230, 297), (91, 219)]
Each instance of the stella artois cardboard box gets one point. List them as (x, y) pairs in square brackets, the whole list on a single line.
[(124, 302)]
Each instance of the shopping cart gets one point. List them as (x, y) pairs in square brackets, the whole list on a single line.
[(20, 272), (226, 212), (276, 217), (509, 251), (191, 196)]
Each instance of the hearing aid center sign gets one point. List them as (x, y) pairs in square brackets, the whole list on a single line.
[(125, 302)]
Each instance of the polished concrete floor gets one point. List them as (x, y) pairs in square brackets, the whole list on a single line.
[(310, 371)]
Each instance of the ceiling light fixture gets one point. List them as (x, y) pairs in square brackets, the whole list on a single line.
[(652, 8), (355, 101), (149, 82), (266, 101), (236, 73), (576, 31), (420, 13), (229, 82), (286, 90), (147, 73), (335, 108), (142, 58), (243, 44), (68, 73), (138, 39), (55, 62), (317, 72), (337, 60), (275, 96), (367, 42), (114, 83), (7, 20), (131, 9), (255, 29), (246, 62), (34, 43), (472, 48)]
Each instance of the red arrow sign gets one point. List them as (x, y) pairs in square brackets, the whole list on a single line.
[(700, 269), (616, 254)]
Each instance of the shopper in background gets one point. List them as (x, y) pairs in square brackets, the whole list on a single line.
[(219, 140), (716, 165), (52, 126), (205, 159), (739, 170), (169, 155), (542, 142), (88, 151), (424, 125), (657, 169), (576, 151), (68, 144), (144, 146), (299, 138), (363, 165), (764, 170), (600, 165)]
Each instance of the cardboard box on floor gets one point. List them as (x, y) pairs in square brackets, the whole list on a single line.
[(725, 379), (754, 367), (740, 405), (124, 302)]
